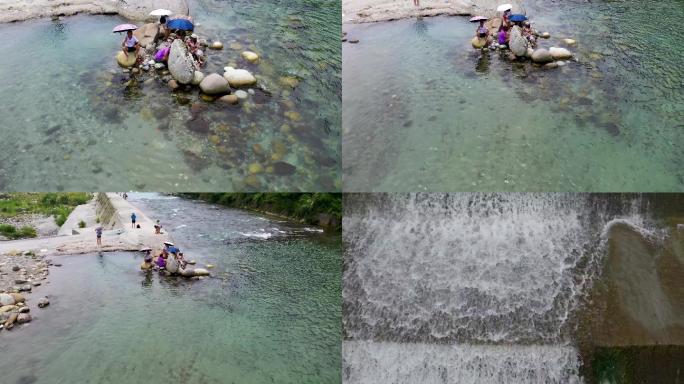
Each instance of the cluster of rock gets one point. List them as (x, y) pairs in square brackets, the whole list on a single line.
[(183, 69), (520, 47), (19, 274)]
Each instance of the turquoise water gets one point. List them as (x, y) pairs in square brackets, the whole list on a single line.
[(71, 119), (424, 111), (270, 313)]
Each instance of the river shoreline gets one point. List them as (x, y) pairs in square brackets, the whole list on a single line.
[(21, 10), (370, 11)]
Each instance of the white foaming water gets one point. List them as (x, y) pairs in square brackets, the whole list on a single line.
[(372, 363), (466, 267), (257, 235), (471, 288)]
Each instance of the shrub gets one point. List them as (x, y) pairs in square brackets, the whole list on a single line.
[(81, 224)]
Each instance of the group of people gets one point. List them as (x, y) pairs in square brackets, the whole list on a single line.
[(161, 262), (163, 40), (503, 33)]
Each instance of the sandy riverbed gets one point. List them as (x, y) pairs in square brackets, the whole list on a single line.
[(365, 11)]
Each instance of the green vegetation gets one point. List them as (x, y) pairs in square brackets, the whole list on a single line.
[(58, 205), (323, 209), (81, 224), (10, 232)]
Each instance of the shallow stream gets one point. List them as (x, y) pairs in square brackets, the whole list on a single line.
[(424, 111), (269, 313)]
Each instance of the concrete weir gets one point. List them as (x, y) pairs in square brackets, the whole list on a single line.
[(113, 212)]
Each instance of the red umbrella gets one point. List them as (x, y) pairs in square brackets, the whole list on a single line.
[(478, 18), (124, 28)]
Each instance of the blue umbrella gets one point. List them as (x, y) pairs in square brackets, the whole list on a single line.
[(517, 18), (181, 24)]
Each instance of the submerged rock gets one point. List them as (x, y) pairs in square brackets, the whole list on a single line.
[(180, 63), (250, 56), (216, 45), (239, 77), (542, 56), (282, 168), (214, 84), (240, 94), (230, 99), (43, 302), (518, 43)]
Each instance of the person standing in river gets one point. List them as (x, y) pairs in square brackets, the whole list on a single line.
[(133, 217), (416, 3), (98, 232)]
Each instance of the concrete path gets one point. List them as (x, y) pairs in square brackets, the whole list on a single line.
[(122, 237)]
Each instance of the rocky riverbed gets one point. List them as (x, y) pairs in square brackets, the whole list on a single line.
[(20, 274)]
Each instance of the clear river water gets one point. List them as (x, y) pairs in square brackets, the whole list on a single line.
[(422, 110), (72, 120), (270, 312)]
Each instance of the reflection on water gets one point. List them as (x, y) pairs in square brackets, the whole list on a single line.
[(427, 112), (99, 128), (269, 313)]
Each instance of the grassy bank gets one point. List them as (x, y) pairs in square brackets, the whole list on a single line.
[(58, 205), (324, 209)]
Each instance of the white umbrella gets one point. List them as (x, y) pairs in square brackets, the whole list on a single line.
[(161, 12), (504, 8)]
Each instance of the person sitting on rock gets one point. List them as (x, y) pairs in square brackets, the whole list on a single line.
[(529, 34), (506, 20), (483, 33), (194, 48), (164, 31), (503, 36), (181, 260), (130, 44)]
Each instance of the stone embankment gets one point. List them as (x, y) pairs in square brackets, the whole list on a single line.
[(138, 10)]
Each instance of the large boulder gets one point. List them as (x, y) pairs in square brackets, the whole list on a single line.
[(542, 56), (214, 84), (146, 34), (126, 61), (180, 63), (239, 77), (560, 53), (518, 42)]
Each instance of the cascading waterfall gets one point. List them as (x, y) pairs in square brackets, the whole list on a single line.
[(471, 287)]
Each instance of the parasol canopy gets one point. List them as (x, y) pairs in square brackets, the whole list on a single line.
[(181, 24), (517, 18), (124, 28), (161, 12), (478, 18), (504, 8)]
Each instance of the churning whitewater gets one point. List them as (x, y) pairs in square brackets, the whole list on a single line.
[(471, 287)]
